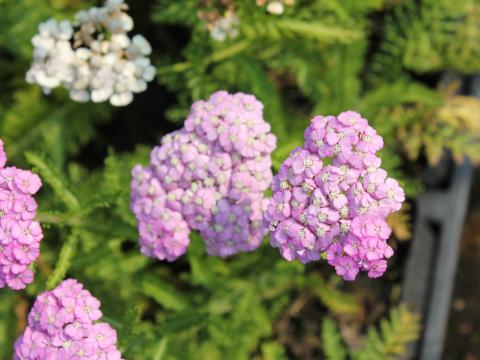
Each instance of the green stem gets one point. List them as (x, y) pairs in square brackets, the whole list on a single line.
[(161, 349), (59, 219), (217, 56), (55, 181), (227, 52)]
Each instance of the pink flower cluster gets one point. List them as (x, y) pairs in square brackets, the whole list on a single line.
[(331, 197), (63, 325), (209, 176), (20, 235)]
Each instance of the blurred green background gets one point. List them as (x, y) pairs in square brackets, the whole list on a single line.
[(391, 60)]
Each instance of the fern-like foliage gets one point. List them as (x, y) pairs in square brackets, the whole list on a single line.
[(333, 299), (427, 123), (270, 47), (389, 341), (333, 347), (319, 56), (429, 36)]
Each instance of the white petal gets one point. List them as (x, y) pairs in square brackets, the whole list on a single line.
[(121, 99)]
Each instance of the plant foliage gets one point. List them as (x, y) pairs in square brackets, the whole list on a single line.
[(384, 58)]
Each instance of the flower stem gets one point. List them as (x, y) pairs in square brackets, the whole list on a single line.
[(216, 56)]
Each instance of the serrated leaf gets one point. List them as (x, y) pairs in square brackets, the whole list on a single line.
[(336, 301), (164, 294), (184, 321), (54, 179), (67, 253)]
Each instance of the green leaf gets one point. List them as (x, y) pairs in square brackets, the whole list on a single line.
[(319, 31), (273, 351), (54, 179), (338, 302), (64, 260), (164, 294), (100, 200), (161, 350), (184, 321)]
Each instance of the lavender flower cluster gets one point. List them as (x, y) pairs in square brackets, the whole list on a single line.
[(63, 325), (20, 235), (331, 197), (209, 176)]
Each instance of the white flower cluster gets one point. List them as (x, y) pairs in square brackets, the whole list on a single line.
[(225, 27), (93, 57), (275, 7)]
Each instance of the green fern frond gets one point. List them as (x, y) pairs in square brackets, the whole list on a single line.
[(35, 121), (54, 179), (336, 301), (273, 351), (304, 29), (333, 347), (65, 258), (429, 36), (391, 339), (164, 294)]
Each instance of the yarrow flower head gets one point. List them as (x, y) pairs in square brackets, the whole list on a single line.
[(331, 197), (20, 234), (210, 177), (63, 324), (92, 57)]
